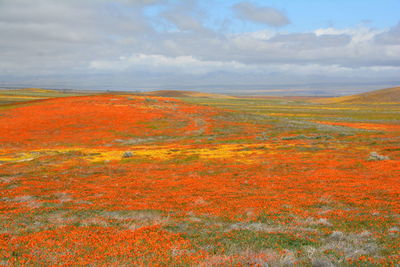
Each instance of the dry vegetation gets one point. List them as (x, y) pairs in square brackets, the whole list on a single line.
[(120, 180), (388, 95)]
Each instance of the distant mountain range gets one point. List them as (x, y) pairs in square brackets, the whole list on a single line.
[(178, 93)]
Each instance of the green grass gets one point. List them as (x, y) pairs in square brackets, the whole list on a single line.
[(312, 111), (7, 100), (218, 238)]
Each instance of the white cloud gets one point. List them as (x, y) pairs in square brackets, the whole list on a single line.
[(261, 14), (160, 63), (358, 34), (390, 37), (45, 39)]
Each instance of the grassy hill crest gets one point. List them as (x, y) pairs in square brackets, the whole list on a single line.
[(387, 95)]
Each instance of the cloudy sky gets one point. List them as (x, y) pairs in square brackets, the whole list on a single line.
[(266, 46)]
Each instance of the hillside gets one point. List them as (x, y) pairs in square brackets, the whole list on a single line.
[(12, 96), (177, 93), (388, 95), (243, 182)]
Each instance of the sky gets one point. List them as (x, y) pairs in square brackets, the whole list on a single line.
[(288, 47)]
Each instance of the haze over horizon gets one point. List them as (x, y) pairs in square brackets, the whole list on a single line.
[(274, 47)]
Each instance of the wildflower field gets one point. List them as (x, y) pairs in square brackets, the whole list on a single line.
[(119, 180)]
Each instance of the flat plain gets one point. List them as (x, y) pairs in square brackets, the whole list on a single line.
[(122, 179)]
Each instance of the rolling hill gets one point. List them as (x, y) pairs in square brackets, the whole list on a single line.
[(12, 96), (388, 95)]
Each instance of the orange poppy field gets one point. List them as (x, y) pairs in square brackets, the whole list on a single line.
[(122, 179)]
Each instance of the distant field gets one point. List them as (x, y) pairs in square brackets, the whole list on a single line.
[(12, 96), (281, 107), (120, 180)]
